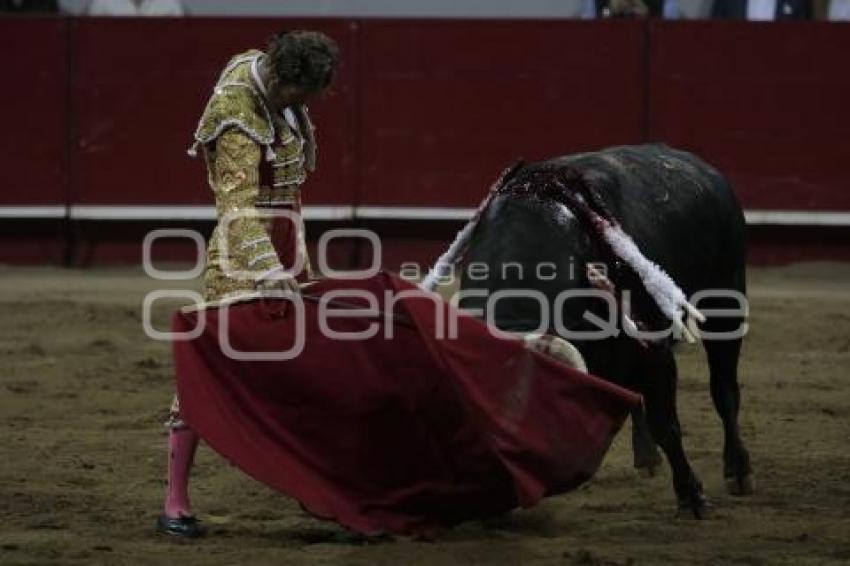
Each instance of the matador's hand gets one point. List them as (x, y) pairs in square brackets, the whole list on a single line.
[(278, 281)]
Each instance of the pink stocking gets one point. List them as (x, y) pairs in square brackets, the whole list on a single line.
[(182, 443)]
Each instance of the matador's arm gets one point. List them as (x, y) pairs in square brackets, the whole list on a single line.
[(245, 240)]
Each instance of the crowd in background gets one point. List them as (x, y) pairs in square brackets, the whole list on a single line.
[(757, 10), (754, 10)]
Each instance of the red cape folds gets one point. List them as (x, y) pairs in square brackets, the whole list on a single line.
[(404, 435)]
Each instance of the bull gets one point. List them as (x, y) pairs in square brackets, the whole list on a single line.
[(545, 229)]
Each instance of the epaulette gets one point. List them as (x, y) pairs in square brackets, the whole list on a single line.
[(235, 103)]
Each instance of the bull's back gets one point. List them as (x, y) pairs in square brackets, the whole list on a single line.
[(682, 212)]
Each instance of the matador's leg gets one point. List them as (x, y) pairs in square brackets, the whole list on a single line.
[(177, 518)]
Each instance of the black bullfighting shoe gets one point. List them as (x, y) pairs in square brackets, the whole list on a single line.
[(186, 527)]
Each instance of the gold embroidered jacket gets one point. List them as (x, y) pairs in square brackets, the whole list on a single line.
[(235, 127)]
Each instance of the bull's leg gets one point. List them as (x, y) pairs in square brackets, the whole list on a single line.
[(723, 365), (646, 456), (659, 390)]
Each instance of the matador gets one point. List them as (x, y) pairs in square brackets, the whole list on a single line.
[(259, 145)]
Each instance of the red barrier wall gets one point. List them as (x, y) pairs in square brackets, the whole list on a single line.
[(767, 104), (34, 102), (34, 135), (140, 86), (446, 105), (427, 112)]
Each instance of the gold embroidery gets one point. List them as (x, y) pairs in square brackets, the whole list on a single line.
[(234, 127), (235, 103), (234, 176)]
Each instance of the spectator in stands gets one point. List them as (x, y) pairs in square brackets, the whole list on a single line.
[(28, 6), (686, 9), (839, 10), (135, 8), (669, 9), (614, 9), (762, 10)]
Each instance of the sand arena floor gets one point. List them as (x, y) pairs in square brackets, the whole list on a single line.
[(83, 394)]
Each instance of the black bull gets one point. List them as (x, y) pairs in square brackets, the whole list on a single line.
[(683, 216)]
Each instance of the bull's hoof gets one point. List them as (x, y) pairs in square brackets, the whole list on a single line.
[(649, 470), (649, 465), (696, 507), (741, 485)]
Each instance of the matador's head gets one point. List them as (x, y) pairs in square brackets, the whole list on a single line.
[(299, 65)]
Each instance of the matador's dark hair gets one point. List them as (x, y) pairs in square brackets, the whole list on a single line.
[(305, 59)]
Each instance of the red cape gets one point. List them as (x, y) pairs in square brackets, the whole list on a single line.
[(404, 435)]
